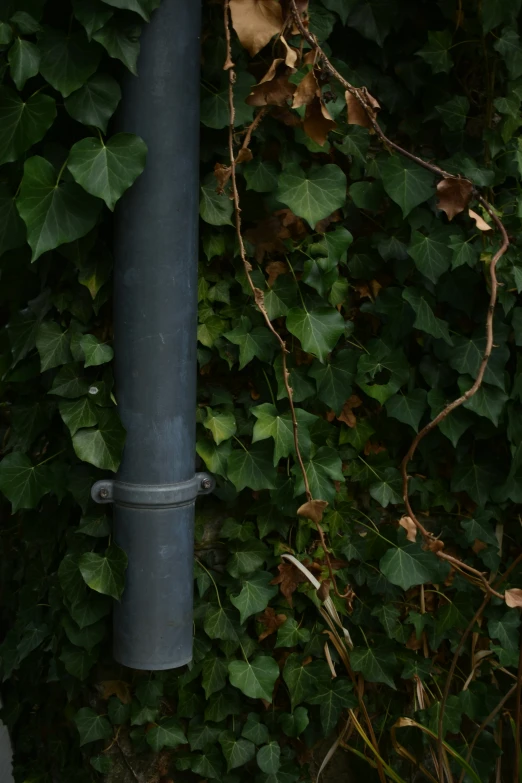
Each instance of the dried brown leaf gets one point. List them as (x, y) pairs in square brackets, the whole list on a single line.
[(288, 579), (243, 156), (324, 590), (306, 91), (291, 54), (410, 527), (271, 621), (318, 122), (274, 269), (277, 91), (454, 194), (222, 174), (357, 114), (347, 415), (513, 597), (119, 688), (313, 510), (256, 22), (479, 221)]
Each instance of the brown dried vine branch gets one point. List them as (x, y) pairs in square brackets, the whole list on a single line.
[(315, 505), (368, 103)]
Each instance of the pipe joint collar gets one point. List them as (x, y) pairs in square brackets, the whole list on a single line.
[(152, 495)]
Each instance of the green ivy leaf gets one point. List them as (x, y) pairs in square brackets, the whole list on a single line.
[(77, 414), (222, 425), (201, 735), (67, 60), (53, 345), (167, 734), (425, 318), (214, 673), (254, 730), (253, 342), (24, 61), (215, 111), (487, 401), (261, 175), (252, 468), (215, 208), (271, 424), (318, 330), (92, 14), (480, 528), (290, 634), (454, 112), (255, 594), (218, 625), (23, 123), (322, 468), (431, 253), (23, 483), (436, 51), (53, 213), (246, 556), (95, 353), (380, 360), (107, 169), (508, 46), (406, 183), (475, 478), (256, 678), (376, 664), (95, 102), (105, 573), (388, 488), (335, 378), (303, 680), (237, 752), (313, 196), (91, 726), (121, 41), (333, 697), (497, 12), (294, 723), (269, 758), (209, 765), (142, 7), (101, 446), (408, 408), (409, 566), (467, 355), (77, 662)]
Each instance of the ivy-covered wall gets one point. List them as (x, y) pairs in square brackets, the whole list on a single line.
[(356, 584)]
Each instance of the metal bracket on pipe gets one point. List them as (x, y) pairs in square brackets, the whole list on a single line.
[(152, 495)]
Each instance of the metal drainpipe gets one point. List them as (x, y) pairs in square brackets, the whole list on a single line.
[(155, 348)]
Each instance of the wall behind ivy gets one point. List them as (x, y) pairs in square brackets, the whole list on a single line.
[(382, 302)]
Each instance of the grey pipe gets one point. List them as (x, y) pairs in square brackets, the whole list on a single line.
[(155, 348)]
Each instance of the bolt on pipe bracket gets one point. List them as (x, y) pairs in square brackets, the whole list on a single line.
[(152, 495)]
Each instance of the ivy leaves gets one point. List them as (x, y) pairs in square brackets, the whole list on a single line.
[(318, 330), (406, 183), (23, 123), (53, 213), (256, 679), (314, 196), (107, 170)]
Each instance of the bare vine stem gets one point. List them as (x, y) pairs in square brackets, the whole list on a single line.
[(256, 292)]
